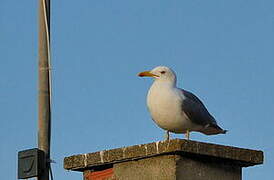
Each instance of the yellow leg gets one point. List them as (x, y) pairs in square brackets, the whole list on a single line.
[(167, 136), (187, 134)]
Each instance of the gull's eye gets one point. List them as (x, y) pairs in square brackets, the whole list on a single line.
[(162, 72)]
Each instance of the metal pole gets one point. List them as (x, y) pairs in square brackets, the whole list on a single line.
[(44, 94)]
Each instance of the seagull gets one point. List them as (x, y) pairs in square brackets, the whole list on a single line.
[(177, 110)]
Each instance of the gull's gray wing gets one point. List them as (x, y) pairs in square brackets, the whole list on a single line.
[(198, 114)]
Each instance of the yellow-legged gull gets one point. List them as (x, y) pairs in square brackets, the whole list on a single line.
[(177, 110)]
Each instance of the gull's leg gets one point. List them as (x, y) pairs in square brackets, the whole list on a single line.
[(167, 136), (187, 134)]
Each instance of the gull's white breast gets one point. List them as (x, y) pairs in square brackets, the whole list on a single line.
[(165, 105)]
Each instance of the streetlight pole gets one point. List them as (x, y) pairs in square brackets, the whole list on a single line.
[(44, 92)]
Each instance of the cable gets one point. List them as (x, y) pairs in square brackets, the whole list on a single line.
[(50, 172)]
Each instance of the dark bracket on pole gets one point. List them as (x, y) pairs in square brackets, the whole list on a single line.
[(31, 163)]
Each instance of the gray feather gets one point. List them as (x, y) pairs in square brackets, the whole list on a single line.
[(198, 114), (196, 110)]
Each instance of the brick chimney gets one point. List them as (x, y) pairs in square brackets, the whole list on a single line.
[(166, 160)]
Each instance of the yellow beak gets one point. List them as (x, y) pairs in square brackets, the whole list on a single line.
[(147, 74)]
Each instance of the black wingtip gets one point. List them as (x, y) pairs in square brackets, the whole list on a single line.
[(225, 131)]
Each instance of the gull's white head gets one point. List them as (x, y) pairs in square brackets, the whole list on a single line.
[(161, 74)]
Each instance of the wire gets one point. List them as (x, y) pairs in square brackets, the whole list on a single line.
[(50, 172)]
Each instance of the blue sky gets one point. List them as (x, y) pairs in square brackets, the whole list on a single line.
[(221, 50)]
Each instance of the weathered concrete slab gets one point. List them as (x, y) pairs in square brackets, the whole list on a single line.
[(241, 157), (153, 168)]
